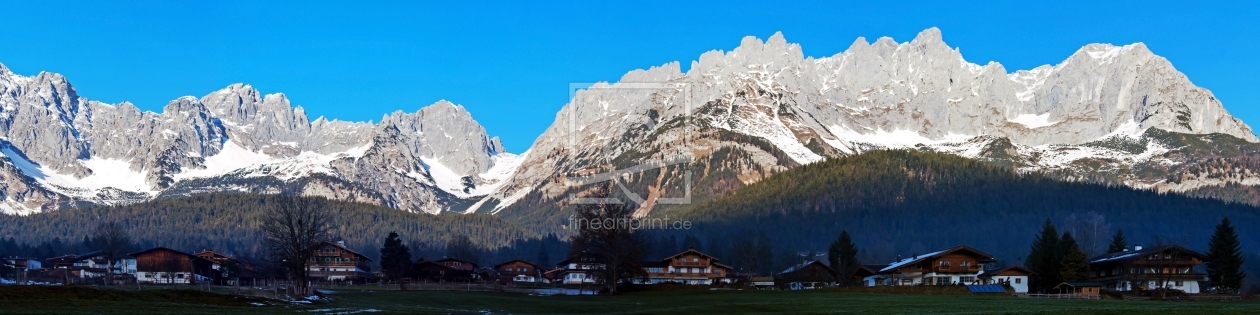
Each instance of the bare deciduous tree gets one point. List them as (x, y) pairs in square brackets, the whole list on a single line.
[(114, 238), (604, 232), (1090, 231), (291, 229)]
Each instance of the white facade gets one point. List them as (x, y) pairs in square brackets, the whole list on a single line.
[(163, 277), (1018, 283), (1189, 286)]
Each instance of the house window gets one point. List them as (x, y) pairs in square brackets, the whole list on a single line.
[(965, 263), (967, 279), (1178, 283), (944, 264), (1017, 280)]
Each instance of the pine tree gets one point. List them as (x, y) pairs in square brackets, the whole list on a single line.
[(395, 257), (842, 255), (1118, 243), (543, 258), (1073, 266), (1225, 257), (1043, 257)]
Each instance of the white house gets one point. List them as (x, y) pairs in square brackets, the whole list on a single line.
[(1016, 277)]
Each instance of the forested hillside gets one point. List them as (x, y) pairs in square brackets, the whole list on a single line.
[(906, 202), (229, 223)]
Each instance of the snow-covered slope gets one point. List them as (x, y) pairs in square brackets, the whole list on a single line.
[(75, 150), (738, 116)]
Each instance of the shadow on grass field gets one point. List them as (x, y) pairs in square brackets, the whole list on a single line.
[(84, 300)]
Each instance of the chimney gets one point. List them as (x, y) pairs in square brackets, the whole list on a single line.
[(898, 258), (1137, 247)]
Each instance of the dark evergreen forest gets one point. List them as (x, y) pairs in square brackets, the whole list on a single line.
[(901, 202), (906, 202)]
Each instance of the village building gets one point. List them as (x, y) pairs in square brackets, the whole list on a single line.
[(1089, 290), (89, 265), (812, 274), (427, 270), (688, 267), (578, 269), (161, 265), (1168, 267), (333, 261), (1014, 277), (959, 265), (518, 270), (24, 263), (869, 275)]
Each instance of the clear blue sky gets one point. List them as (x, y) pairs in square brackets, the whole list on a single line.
[(510, 63)]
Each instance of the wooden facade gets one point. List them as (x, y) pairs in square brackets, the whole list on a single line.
[(959, 265), (518, 270), (165, 265), (808, 275), (332, 261), (1171, 267), (688, 267)]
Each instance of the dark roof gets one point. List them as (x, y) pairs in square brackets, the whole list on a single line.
[(214, 254), (918, 258), (1080, 284), (1135, 254), (330, 242), (990, 273), (806, 264), (516, 260), (689, 250), (157, 249), (455, 259), (721, 265), (867, 270)]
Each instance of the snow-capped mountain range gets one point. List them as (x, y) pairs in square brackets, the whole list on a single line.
[(62, 150), (1107, 113)]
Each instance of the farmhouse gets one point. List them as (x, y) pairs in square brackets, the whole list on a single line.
[(518, 270), (1171, 267), (578, 269), (1015, 277), (959, 265), (332, 261), (688, 267), (165, 265), (807, 275), (870, 276)]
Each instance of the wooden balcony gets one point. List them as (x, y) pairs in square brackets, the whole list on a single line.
[(956, 269), (684, 275)]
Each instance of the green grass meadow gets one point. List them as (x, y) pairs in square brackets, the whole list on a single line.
[(377, 300)]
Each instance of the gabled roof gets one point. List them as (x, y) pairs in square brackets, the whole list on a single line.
[(690, 250), (330, 242), (806, 264), (1136, 254), (136, 254), (1079, 284), (866, 270), (518, 260), (990, 273), (715, 264), (213, 254), (456, 260), (914, 259)]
